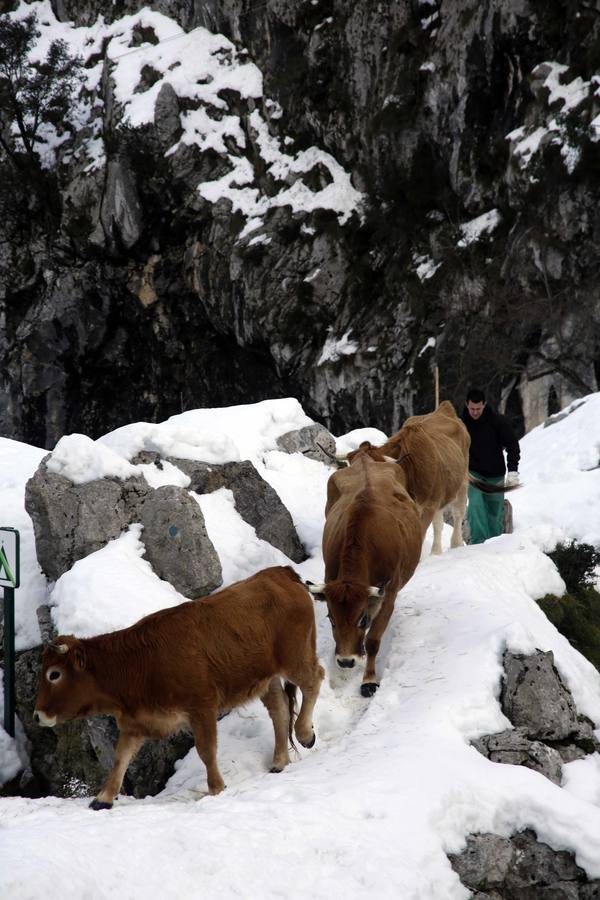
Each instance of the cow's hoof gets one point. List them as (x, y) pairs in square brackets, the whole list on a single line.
[(309, 744), (368, 688), (99, 804), (275, 770)]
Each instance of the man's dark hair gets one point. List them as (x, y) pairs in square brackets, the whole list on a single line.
[(475, 396)]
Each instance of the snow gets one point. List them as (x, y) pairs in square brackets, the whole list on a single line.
[(570, 95), (429, 344), (472, 231), (18, 462), (199, 66), (334, 348), (425, 267), (563, 108), (81, 459), (392, 783)]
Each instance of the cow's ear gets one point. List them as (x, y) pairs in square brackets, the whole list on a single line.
[(79, 656)]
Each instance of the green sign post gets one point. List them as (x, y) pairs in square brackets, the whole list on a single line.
[(9, 580)]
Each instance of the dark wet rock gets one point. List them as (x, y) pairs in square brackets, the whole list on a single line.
[(236, 320)]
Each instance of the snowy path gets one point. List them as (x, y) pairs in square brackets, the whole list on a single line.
[(392, 784), (391, 780)]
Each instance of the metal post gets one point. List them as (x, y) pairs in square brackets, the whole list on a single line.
[(9, 661)]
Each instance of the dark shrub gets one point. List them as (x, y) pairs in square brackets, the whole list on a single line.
[(576, 564), (578, 618)]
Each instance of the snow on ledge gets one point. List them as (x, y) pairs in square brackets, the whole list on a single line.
[(80, 459), (335, 348), (472, 231)]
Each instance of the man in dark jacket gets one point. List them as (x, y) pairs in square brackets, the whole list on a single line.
[(491, 435)]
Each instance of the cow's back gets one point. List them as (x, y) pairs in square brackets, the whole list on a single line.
[(373, 520), (221, 646), (437, 448), (253, 627)]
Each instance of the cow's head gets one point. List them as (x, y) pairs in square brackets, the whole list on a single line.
[(351, 608), (64, 688), (366, 449)]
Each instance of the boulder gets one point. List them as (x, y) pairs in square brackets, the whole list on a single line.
[(549, 732), (255, 500), (72, 520), (520, 868), (177, 544), (485, 862), (534, 696), (313, 441), (513, 747)]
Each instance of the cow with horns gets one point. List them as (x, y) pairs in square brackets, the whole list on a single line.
[(179, 667), (433, 450), (371, 547)]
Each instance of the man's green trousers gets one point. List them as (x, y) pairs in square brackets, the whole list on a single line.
[(485, 513)]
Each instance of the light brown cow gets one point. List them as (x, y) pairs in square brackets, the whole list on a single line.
[(179, 667), (371, 547), (433, 449)]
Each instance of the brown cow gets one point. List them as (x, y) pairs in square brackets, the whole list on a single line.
[(179, 667), (433, 449), (436, 451), (371, 547)]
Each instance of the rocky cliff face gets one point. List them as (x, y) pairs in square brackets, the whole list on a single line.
[(349, 194)]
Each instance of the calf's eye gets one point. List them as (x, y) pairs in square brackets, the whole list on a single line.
[(53, 675)]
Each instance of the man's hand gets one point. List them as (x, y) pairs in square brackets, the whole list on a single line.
[(512, 479)]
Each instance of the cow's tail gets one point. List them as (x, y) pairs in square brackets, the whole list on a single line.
[(290, 690), (488, 488)]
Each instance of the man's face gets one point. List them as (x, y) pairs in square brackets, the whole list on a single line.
[(475, 409)]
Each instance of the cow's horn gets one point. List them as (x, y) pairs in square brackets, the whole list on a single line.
[(58, 648), (315, 588), (375, 592)]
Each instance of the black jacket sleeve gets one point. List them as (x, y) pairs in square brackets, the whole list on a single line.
[(510, 444)]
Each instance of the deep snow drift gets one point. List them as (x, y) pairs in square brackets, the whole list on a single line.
[(392, 784)]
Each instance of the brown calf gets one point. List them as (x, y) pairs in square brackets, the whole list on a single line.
[(179, 667)]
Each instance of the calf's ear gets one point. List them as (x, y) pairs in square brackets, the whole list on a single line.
[(79, 658)]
